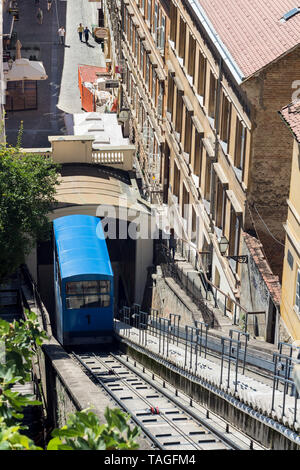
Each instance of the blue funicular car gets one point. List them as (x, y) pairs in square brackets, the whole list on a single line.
[(83, 280)]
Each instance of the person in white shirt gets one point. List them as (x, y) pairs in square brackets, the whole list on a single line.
[(61, 34)]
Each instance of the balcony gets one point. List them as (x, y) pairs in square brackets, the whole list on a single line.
[(79, 149)]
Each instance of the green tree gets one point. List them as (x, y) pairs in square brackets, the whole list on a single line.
[(27, 195), (83, 430)]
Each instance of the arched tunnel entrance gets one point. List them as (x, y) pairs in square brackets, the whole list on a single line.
[(126, 261)]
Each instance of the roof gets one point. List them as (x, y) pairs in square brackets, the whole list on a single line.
[(271, 281), (103, 126), (252, 31), (291, 116), (88, 73), (81, 246)]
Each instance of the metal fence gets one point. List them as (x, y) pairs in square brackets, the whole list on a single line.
[(195, 343)]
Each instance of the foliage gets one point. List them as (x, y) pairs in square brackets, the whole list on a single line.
[(20, 340), (83, 430), (12, 439), (27, 194)]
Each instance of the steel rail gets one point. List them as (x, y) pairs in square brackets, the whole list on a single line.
[(164, 417), (120, 403), (205, 425), (214, 432)]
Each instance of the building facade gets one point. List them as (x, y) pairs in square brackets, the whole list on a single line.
[(290, 301), (203, 106)]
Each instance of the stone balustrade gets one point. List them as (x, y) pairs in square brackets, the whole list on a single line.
[(79, 149)]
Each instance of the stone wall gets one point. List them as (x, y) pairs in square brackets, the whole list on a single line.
[(271, 153)]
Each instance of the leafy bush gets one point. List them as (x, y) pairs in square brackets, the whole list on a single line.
[(83, 430)]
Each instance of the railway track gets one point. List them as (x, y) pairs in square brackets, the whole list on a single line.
[(168, 420)]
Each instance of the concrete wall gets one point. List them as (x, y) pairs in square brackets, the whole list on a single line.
[(254, 296)]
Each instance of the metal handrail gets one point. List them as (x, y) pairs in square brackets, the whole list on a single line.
[(169, 267)]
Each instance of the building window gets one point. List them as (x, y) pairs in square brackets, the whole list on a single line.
[(142, 55), (176, 182), (201, 75), (225, 120), (179, 107), (149, 11), (240, 146), (198, 154), (160, 98), (212, 96), (181, 39), (220, 205), (173, 22), (207, 182), (185, 203), (147, 77), (234, 236), (191, 60), (194, 226), (153, 86), (188, 132), (297, 299), (170, 94), (162, 35)]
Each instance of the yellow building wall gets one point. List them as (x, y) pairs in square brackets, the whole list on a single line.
[(289, 312)]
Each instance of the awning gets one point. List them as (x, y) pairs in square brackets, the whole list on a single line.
[(24, 69)]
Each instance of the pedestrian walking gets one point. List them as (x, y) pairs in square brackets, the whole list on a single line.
[(80, 30), (86, 34), (61, 34), (172, 243), (49, 5), (39, 16)]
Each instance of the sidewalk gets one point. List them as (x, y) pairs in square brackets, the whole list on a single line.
[(76, 52), (46, 120)]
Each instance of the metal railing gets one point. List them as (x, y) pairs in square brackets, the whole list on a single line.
[(36, 297), (224, 302), (171, 269), (283, 368), (195, 343)]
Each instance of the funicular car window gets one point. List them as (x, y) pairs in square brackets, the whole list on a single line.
[(87, 294)]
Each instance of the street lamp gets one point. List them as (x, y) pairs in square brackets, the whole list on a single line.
[(223, 247)]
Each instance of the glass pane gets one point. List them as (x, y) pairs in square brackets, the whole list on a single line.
[(105, 301), (92, 301), (75, 302), (91, 287), (104, 287), (74, 288)]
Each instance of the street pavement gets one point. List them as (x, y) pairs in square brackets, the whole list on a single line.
[(47, 119), (76, 52), (59, 94)]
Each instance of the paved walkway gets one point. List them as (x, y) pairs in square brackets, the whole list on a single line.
[(76, 52), (46, 120)]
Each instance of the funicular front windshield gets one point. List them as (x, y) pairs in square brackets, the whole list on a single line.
[(87, 294)]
